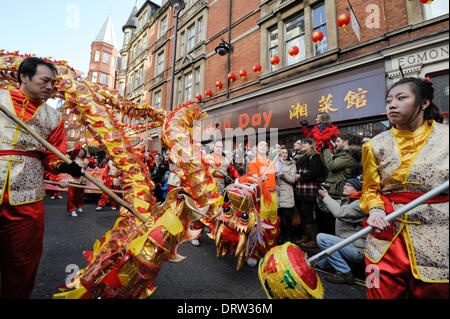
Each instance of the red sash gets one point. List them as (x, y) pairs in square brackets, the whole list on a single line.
[(401, 198), (23, 153)]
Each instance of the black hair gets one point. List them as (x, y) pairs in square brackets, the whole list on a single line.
[(423, 91), (29, 65)]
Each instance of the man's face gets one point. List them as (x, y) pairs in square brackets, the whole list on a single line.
[(40, 86), (341, 144), (298, 145), (348, 189)]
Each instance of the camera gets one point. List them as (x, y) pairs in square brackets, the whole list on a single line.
[(325, 186)]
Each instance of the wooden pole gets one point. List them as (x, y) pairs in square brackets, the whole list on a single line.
[(67, 160), (80, 186)]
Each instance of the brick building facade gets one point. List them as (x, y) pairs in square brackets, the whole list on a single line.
[(344, 75)]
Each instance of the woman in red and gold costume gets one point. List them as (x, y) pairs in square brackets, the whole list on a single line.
[(407, 258), (110, 177), (22, 161), (75, 195)]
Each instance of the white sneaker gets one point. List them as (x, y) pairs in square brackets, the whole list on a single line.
[(252, 262), (53, 197), (99, 208), (73, 214), (195, 242), (114, 208), (80, 210), (59, 197)]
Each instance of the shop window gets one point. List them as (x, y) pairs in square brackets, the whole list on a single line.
[(319, 24), (441, 90), (295, 36), (435, 9), (273, 46)]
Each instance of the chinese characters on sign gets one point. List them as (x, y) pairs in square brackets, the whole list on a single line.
[(353, 99)]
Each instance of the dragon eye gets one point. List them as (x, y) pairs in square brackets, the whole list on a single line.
[(244, 217), (227, 210)]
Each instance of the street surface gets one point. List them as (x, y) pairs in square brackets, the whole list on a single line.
[(200, 276)]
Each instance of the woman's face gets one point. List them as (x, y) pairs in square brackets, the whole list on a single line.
[(318, 121), (401, 106), (81, 153), (284, 154)]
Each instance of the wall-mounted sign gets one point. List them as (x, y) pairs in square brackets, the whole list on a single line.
[(351, 95)]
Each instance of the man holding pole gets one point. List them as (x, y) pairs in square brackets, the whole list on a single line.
[(22, 160)]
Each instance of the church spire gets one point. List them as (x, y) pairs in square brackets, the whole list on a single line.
[(106, 33)]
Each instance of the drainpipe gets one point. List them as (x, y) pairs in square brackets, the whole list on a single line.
[(229, 51)]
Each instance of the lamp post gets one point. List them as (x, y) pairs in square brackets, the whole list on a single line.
[(177, 6)]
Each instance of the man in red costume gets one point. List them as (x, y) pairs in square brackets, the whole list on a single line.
[(22, 160)]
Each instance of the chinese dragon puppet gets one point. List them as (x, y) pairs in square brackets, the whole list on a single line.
[(126, 261)]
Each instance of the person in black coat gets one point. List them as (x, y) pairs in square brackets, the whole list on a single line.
[(309, 172)]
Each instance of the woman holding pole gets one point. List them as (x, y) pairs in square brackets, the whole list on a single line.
[(408, 257)]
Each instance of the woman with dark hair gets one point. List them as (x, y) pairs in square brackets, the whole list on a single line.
[(309, 171), (409, 254), (323, 132)]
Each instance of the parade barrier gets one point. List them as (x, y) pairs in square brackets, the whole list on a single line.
[(302, 281), (67, 160)]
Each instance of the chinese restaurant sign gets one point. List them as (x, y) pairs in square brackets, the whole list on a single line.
[(351, 95)]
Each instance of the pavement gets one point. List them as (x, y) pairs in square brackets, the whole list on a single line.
[(199, 276)]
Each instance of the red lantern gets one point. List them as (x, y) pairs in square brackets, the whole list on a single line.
[(274, 60), (242, 74), (208, 93), (257, 68), (219, 85), (426, 1), (231, 77), (198, 97), (343, 20), (293, 51), (317, 36)]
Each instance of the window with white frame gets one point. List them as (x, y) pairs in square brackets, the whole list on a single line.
[(295, 36), (179, 90), (141, 75), (160, 62), (197, 81), (191, 37), (163, 26), (182, 43), (94, 77), (319, 24), (199, 30), (97, 56), (188, 87), (435, 9), (157, 99), (273, 46), (104, 78), (124, 62), (106, 57)]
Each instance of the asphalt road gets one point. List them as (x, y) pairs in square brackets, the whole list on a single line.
[(200, 276)]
